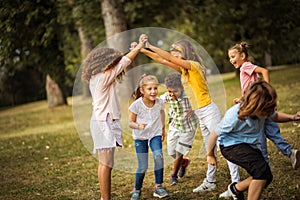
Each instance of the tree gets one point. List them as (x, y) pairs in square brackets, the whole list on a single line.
[(29, 47)]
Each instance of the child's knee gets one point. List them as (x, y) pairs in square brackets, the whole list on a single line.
[(158, 155)]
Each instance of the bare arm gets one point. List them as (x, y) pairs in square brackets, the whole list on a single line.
[(134, 52), (163, 116), (159, 59), (166, 55), (264, 72), (284, 117), (133, 124)]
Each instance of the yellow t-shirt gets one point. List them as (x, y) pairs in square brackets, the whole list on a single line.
[(195, 86)]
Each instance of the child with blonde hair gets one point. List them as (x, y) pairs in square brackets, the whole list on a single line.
[(147, 120)]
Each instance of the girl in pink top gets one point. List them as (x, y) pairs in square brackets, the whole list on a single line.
[(102, 68), (249, 73)]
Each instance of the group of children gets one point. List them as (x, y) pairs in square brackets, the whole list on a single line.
[(241, 134)]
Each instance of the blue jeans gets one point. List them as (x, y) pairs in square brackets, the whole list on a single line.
[(141, 148), (272, 132)]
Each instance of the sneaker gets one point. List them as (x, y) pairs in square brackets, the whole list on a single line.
[(135, 194), (225, 195), (182, 169), (295, 158), (173, 179), (205, 186), (160, 192), (239, 196)]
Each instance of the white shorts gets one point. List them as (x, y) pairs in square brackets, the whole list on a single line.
[(106, 134), (179, 142)]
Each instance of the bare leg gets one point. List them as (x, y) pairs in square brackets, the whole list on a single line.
[(106, 161), (177, 163), (244, 184), (255, 189)]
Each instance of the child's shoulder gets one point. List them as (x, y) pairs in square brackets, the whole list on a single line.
[(248, 64), (159, 100)]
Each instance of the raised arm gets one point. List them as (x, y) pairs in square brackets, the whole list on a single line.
[(134, 51), (264, 72), (159, 59), (169, 57)]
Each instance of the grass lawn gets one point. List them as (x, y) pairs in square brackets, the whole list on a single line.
[(42, 156)]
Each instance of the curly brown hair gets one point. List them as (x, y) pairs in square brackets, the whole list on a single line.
[(100, 60), (173, 80)]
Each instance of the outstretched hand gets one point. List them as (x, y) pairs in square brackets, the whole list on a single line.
[(133, 45), (236, 100), (142, 40), (297, 116)]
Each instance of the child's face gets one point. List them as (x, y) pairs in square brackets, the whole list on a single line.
[(236, 58), (176, 51), (150, 91), (177, 54), (174, 92)]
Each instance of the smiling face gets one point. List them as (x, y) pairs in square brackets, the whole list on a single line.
[(174, 92), (176, 51), (149, 91), (236, 58)]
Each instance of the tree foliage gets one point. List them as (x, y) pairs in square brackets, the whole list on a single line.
[(41, 37)]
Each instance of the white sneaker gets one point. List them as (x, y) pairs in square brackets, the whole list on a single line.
[(295, 158), (205, 186), (225, 195), (240, 196)]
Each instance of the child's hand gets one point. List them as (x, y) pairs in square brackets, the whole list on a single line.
[(236, 100), (297, 116), (163, 136), (141, 126), (133, 45), (189, 113), (143, 38), (212, 160)]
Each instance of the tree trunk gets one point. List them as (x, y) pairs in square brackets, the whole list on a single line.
[(54, 95), (86, 47), (268, 59), (114, 22), (113, 16)]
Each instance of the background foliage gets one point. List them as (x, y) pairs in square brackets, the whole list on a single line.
[(42, 37)]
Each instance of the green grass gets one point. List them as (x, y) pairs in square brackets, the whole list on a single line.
[(42, 156)]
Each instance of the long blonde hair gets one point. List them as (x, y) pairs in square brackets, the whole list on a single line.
[(100, 60), (259, 99)]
